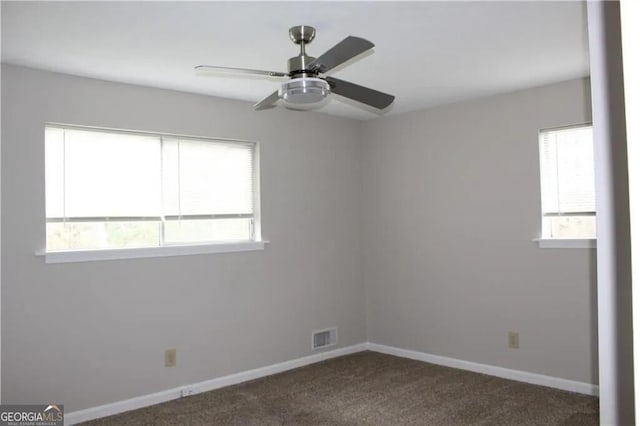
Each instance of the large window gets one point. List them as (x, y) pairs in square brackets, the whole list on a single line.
[(567, 183), (113, 189)]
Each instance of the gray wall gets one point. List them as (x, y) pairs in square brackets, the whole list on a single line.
[(91, 333), (452, 203), (430, 215)]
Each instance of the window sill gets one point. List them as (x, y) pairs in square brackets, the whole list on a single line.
[(588, 243), (135, 253)]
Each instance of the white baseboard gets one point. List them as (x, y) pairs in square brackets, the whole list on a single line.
[(506, 373), (233, 379), (220, 382)]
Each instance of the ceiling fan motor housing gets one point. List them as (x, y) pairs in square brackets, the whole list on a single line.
[(299, 66)]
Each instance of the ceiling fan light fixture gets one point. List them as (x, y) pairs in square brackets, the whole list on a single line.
[(304, 92)]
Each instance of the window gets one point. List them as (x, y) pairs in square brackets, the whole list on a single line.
[(110, 189), (567, 183)]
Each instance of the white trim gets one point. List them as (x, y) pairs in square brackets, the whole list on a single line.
[(588, 243), (629, 16), (134, 253), (141, 132), (567, 127), (257, 209), (506, 373), (612, 221), (233, 379), (205, 386)]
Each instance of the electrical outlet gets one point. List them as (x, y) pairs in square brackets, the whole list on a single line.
[(170, 358), (186, 391), (514, 340)]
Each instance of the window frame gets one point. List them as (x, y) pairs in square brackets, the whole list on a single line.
[(165, 249), (560, 242)]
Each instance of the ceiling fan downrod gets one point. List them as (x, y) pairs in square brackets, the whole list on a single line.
[(299, 65)]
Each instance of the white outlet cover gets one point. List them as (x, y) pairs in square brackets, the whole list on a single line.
[(186, 392)]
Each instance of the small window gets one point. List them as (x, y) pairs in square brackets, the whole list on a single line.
[(110, 189), (567, 183)]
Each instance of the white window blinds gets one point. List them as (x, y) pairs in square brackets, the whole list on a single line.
[(94, 174), (203, 178), (113, 189), (567, 182)]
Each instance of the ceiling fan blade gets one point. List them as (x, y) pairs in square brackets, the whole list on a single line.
[(340, 53), (240, 70), (268, 101), (361, 94)]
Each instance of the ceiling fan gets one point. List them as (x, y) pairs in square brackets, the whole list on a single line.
[(306, 86)]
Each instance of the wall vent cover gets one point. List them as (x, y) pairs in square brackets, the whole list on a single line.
[(324, 338)]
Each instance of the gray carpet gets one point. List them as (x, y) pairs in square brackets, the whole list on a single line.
[(369, 388)]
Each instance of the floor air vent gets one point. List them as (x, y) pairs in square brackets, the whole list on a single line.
[(324, 338)]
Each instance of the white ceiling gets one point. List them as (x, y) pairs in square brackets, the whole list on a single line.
[(427, 53)]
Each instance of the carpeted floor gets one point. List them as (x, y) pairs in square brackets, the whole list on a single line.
[(369, 388)]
